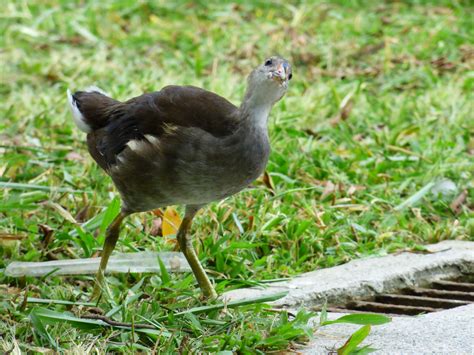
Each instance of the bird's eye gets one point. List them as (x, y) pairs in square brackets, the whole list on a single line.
[(268, 62), (290, 76)]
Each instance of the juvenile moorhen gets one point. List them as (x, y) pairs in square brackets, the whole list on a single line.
[(180, 145)]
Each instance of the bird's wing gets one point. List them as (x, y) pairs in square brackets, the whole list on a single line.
[(153, 115)]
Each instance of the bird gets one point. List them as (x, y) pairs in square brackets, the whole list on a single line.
[(181, 145)]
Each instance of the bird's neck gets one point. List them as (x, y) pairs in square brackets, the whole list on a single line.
[(256, 110)]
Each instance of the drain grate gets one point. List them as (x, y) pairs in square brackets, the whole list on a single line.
[(412, 301)]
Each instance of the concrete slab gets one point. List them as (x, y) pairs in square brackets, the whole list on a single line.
[(446, 332), (365, 277)]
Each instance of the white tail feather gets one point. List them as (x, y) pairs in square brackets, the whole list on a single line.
[(94, 88), (79, 119)]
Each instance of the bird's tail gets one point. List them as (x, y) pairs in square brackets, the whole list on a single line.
[(90, 108)]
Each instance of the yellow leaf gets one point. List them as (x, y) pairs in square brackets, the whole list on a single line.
[(157, 212), (171, 222)]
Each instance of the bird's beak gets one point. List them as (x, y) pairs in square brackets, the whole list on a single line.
[(279, 74)]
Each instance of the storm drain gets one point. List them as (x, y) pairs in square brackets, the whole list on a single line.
[(436, 296)]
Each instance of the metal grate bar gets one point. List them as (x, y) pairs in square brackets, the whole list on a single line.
[(389, 308), (453, 286), (429, 292), (420, 301), (437, 296)]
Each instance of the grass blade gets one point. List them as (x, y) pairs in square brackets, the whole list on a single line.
[(110, 213), (41, 329), (413, 199), (20, 186), (51, 317), (360, 318), (355, 339), (165, 276), (232, 304), (51, 301), (45, 316), (101, 220)]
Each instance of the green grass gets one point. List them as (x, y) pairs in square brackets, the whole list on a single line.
[(380, 105)]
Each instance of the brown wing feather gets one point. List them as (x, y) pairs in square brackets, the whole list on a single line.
[(150, 114)]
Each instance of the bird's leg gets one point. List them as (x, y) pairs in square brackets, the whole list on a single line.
[(111, 237), (186, 246)]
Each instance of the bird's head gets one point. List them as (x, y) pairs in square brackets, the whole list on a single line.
[(268, 82)]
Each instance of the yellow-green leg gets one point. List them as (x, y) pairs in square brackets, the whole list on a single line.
[(186, 246), (111, 237)]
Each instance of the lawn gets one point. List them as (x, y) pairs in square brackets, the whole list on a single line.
[(380, 108)]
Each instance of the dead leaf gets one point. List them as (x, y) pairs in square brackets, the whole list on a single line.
[(158, 212), (3, 168), (251, 222), (171, 222), (156, 225), (354, 188), (417, 213), (306, 58), (61, 211), (467, 53), (9, 290), (319, 221), (457, 203), (415, 251), (442, 64), (344, 111), (267, 180), (368, 50), (341, 201), (386, 20), (312, 132), (10, 241), (47, 234), (52, 76), (226, 215), (9, 237), (329, 189), (51, 256), (347, 72), (74, 40), (81, 216), (351, 207), (74, 156)]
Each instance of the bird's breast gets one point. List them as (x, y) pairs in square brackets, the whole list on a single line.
[(225, 166)]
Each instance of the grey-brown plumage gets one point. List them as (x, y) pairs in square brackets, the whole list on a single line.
[(182, 144)]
